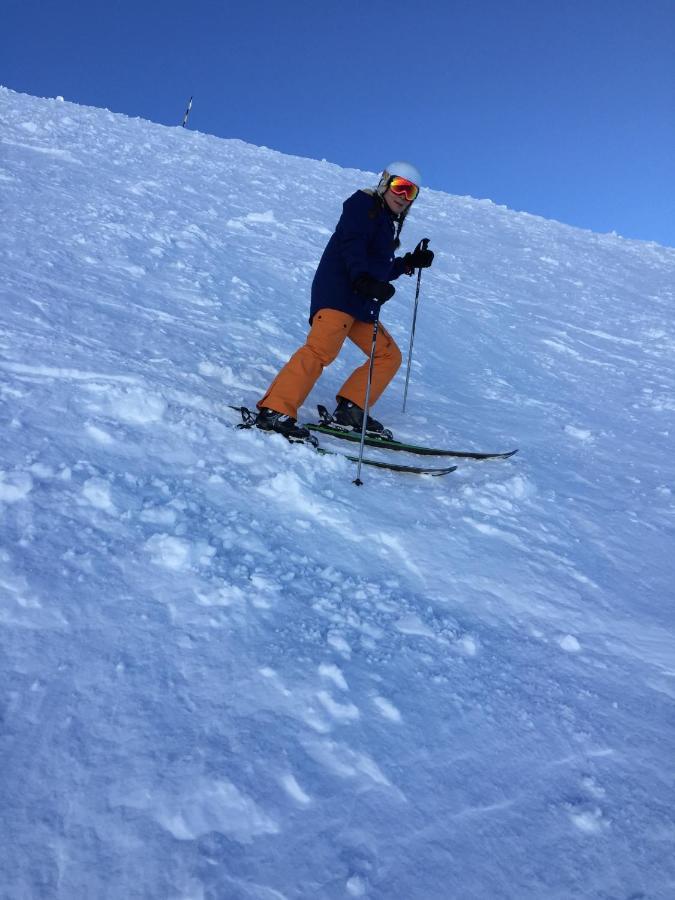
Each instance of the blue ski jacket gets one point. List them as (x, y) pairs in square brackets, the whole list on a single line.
[(363, 243)]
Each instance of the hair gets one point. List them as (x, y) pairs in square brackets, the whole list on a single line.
[(378, 206)]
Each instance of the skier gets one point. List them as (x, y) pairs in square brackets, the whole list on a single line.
[(353, 276)]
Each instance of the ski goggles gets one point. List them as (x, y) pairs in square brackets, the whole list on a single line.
[(403, 188)]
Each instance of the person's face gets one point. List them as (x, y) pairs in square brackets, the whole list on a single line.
[(396, 203)]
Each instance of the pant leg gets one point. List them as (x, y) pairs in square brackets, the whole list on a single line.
[(386, 363), (290, 388)]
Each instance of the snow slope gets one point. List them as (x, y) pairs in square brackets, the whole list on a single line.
[(227, 672)]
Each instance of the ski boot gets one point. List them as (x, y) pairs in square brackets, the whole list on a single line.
[(349, 415), (271, 420)]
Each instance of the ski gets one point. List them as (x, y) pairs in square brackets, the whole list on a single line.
[(393, 467), (248, 421), (332, 429)]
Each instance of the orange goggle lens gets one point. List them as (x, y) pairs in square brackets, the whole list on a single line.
[(403, 188)]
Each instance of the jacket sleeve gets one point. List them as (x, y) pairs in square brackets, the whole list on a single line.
[(353, 231)]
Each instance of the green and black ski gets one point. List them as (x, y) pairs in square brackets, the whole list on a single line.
[(327, 426)]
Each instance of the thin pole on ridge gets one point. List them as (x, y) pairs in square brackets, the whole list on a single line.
[(187, 114)]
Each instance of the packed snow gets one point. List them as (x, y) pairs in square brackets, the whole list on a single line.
[(228, 673)]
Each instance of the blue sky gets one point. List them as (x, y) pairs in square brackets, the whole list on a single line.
[(562, 109)]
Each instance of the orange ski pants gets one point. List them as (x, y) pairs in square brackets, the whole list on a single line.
[(290, 388)]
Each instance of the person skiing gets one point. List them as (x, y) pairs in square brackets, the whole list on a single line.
[(352, 278)]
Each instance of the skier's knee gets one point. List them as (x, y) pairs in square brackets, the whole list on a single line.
[(395, 357), (322, 356)]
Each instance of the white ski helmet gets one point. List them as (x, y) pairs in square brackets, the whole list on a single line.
[(403, 170)]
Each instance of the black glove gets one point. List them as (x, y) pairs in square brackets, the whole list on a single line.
[(372, 289), (420, 258)]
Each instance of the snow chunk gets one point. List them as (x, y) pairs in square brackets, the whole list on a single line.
[(468, 645), (225, 373), (293, 789), (412, 624), (588, 821), (240, 222), (387, 709), (334, 673), (346, 712), (339, 643), (518, 487), (40, 470), (203, 806), (356, 886), (97, 492), (138, 407), (225, 595), (569, 643), (14, 486), (98, 434), (345, 762), (158, 515), (133, 405), (580, 434), (290, 489), (177, 553), (267, 216)]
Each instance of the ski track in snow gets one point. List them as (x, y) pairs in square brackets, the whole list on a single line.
[(227, 672)]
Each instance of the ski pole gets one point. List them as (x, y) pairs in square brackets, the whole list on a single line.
[(423, 244), (376, 326)]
